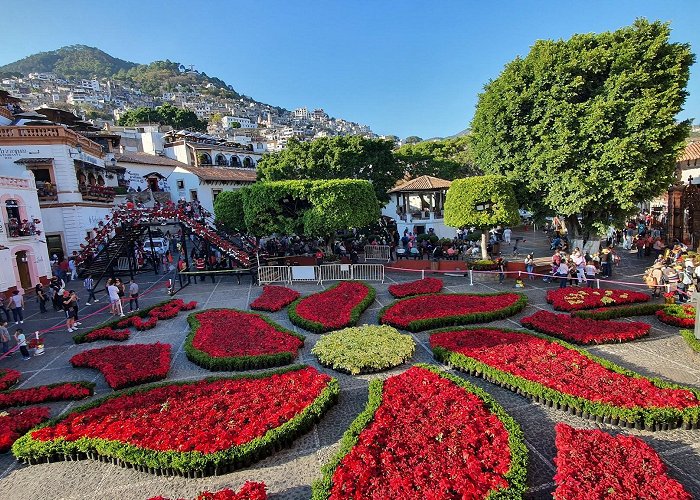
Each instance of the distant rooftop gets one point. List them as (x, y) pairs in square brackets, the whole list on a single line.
[(422, 183)]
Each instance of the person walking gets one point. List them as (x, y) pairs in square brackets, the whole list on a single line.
[(89, 285), (580, 263), (501, 270), (68, 309), (72, 268), (22, 344), (133, 296), (17, 305), (605, 263), (658, 279), (4, 337), (507, 233), (41, 297), (590, 271), (115, 303)]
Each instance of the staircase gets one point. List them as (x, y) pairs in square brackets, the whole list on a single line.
[(119, 245)]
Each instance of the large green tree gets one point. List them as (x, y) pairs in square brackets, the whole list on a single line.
[(310, 208), (348, 157), (447, 158), (228, 209), (166, 114), (484, 202), (587, 126)]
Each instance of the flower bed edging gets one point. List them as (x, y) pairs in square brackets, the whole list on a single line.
[(456, 320), (319, 328), (8, 378), (189, 464), (60, 391), (651, 419), (619, 311), (583, 330), (516, 475), (236, 363), (693, 343)]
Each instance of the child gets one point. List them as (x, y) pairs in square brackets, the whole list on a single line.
[(22, 343)]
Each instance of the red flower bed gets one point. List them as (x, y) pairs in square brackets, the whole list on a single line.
[(61, 391), (229, 339), (274, 298), (431, 311), (431, 436), (334, 308), (227, 421), (168, 310), (574, 299), (127, 365), (101, 334), (418, 287), (8, 378), (14, 423), (249, 491), (585, 331), (677, 315), (551, 370), (592, 464)]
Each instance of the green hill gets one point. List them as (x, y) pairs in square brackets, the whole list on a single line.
[(73, 61)]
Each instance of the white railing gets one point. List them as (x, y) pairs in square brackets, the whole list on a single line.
[(319, 274), (368, 272), (274, 274), (378, 252)]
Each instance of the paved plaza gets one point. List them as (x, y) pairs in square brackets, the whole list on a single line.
[(288, 473)]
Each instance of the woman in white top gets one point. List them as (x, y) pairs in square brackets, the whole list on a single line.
[(16, 306), (563, 273)]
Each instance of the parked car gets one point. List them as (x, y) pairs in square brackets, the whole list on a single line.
[(160, 246)]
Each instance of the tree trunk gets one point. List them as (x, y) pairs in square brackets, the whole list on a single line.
[(484, 245), (574, 230)]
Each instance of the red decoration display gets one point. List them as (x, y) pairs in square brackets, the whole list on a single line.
[(575, 299), (336, 307), (585, 331), (8, 378), (418, 287), (127, 365), (249, 491), (61, 391), (682, 316), (16, 422), (592, 464), (274, 298)]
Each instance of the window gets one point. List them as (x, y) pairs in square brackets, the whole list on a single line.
[(180, 184), (193, 194), (215, 193)]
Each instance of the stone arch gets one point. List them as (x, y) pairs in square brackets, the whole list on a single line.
[(248, 162), (235, 161), (204, 159), (31, 261), (221, 160)]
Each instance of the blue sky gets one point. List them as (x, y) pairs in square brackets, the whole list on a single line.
[(402, 67)]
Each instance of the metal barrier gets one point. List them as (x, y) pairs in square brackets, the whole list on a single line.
[(274, 274), (319, 274), (368, 272), (378, 252)]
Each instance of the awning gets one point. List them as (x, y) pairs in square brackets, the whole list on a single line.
[(30, 161)]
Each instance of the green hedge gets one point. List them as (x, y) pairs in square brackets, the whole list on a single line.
[(236, 363), (689, 336), (315, 327), (364, 349), (620, 311), (79, 338), (191, 463), (647, 418), (480, 317), (516, 475)]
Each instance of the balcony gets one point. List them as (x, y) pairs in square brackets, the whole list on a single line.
[(104, 194), (15, 230), (46, 191), (49, 134)]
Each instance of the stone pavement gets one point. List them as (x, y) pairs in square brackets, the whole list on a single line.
[(289, 473)]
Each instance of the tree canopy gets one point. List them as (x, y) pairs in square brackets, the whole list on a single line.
[(448, 158), (311, 208), (483, 201), (412, 139), (346, 157), (166, 114), (587, 126), (228, 209)]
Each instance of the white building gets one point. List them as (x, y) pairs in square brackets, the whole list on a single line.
[(228, 121), (24, 257), (301, 114), (417, 205)]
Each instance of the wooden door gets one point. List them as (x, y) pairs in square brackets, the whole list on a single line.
[(25, 277)]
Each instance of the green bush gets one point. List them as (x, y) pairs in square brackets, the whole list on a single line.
[(620, 312), (364, 349), (689, 336)]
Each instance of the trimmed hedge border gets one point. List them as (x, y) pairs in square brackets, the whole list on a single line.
[(235, 363), (516, 475), (479, 317), (190, 464), (80, 337), (318, 328), (693, 343), (620, 311), (651, 419)]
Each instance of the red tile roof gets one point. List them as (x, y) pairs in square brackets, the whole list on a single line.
[(422, 183), (148, 159), (224, 173), (691, 152)]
